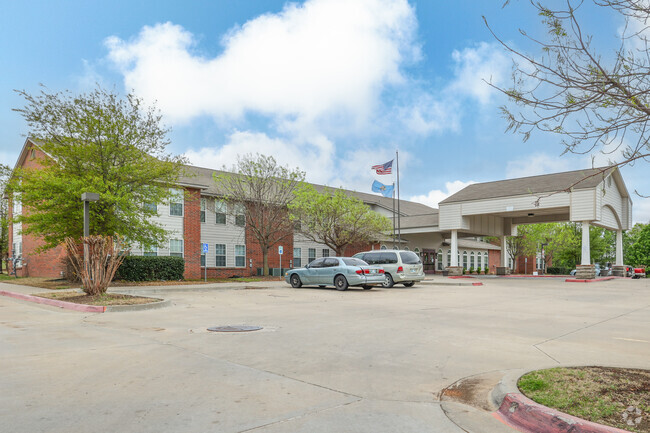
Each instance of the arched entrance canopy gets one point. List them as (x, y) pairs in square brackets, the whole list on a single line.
[(595, 196)]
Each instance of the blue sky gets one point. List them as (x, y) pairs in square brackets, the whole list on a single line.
[(330, 86)]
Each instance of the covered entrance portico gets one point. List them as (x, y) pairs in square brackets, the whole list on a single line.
[(596, 196)]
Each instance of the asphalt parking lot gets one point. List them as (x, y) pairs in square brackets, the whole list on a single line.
[(325, 361)]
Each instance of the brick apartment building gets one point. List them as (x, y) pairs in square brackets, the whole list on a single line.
[(197, 216)]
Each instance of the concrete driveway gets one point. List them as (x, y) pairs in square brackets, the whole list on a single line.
[(326, 361)]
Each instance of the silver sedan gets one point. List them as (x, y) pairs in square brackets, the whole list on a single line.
[(339, 272)]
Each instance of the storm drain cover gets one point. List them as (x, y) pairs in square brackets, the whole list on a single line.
[(234, 328)]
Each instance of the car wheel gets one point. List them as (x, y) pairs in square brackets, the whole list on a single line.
[(409, 284), (366, 287), (340, 282), (388, 281), (295, 281)]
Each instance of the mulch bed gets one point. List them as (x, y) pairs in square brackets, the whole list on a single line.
[(618, 397), (103, 300)]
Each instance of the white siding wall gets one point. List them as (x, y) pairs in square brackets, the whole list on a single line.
[(228, 234), (487, 225), (510, 204), (304, 244), (610, 196), (450, 216), (169, 222), (583, 205)]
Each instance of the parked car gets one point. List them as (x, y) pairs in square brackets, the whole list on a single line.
[(399, 266), (339, 272)]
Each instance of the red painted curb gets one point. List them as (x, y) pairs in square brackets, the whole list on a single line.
[(531, 276), (477, 284), (575, 280), (55, 303), (525, 415)]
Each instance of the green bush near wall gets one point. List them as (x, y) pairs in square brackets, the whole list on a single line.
[(558, 271), (151, 268)]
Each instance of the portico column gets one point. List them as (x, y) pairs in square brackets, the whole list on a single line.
[(454, 248), (619, 248), (586, 259), (504, 252)]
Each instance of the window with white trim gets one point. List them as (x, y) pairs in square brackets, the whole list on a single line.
[(311, 255), (220, 251), (297, 261), (152, 207), (240, 255), (176, 247), (240, 215), (149, 250), (203, 206), (176, 202), (220, 208), (465, 259), (440, 259), (326, 252), (448, 257), (471, 260), (18, 205), (202, 258), (486, 262)]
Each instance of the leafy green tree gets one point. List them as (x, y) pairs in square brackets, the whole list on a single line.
[(4, 235), (638, 253), (630, 237), (593, 100), (96, 142), (335, 219), (265, 189)]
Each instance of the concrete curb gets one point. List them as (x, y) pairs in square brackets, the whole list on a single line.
[(138, 307), (523, 414), (86, 308), (55, 303), (449, 283), (595, 280)]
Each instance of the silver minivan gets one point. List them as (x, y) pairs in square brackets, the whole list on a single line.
[(399, 266)]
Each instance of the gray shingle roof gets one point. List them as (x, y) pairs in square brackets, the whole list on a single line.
[(587, 178), (199, 176)]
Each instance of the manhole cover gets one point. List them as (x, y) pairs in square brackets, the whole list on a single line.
[(234, 328)]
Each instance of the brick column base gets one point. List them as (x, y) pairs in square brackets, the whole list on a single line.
[(503, 270), (585, 272), (618, 271), (455, 271)]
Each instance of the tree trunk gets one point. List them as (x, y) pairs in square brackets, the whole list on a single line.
[(265, 261)]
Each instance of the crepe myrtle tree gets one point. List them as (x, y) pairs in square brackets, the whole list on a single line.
[(594, 100), (264, 189), (335, 219), (95, 142)]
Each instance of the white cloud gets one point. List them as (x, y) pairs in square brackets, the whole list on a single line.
[(536, 164), (315, 156), (475, 66), (307, 61), (435, 196)]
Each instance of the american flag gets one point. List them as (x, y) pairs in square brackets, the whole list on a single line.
[(386, 168)]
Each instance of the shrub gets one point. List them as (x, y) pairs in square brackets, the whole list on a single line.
[(95, 261), (558, 270), (151, 268), (471, 270), (486, 270)]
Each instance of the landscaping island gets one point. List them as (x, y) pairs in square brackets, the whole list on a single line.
[(617, 397)]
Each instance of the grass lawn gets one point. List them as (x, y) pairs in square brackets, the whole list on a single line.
[(60, 284), (616, 397), (105, 299)]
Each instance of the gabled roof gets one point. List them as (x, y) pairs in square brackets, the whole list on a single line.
[(203, 177), (580, 179)]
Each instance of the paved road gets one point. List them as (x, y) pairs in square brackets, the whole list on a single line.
[(326, 361)]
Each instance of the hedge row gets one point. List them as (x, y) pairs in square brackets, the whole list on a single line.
[(558, 271), (151, 268)]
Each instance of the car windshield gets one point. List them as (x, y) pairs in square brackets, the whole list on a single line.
[(350, 261), (409, 258)]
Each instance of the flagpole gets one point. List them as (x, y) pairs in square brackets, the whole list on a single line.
[(399, 221), (393, 214)]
